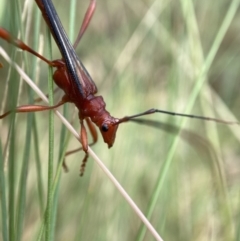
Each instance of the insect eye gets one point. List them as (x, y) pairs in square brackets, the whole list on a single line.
[(104, 128)]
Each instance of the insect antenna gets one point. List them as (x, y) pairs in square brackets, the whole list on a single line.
[(152, 111)]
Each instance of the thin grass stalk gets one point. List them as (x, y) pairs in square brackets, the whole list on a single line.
[(64, 136), (24, 174), (212, 53), (38, 167), (36, 144), (3, 200), (7, 179), (237, 226), (49, 214), (138, 36), (13, 92), (55, 189), (11, 161), (21, 206), (42, 229), (223, 200)]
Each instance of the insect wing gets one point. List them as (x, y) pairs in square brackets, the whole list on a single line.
[(82, 77), (81, 80)]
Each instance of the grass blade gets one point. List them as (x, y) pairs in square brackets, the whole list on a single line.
[(49, 213), (3, 200)]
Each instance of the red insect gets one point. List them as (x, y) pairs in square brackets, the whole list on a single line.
[(72, 77)]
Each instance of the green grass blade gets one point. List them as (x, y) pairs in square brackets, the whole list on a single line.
[(38, 167), (3, 200), (49, 213), (13, 92), (12, 164), (37, 21), (64, 136), (212, 53), (21, 204), (23, 180)]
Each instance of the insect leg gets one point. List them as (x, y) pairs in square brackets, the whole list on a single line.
[(86, 21), (93, 132), (32, 108), (4, 34), (84, 141)]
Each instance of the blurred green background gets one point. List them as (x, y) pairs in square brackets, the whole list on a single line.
[(172, 55)]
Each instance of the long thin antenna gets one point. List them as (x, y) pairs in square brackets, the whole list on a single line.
[(152, 111)]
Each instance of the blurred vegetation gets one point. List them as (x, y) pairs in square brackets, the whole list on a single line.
[(141, 54)]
